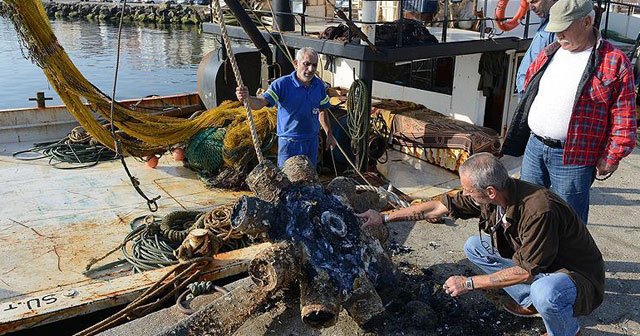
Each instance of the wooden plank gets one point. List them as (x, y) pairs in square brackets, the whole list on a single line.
[(46, 306)]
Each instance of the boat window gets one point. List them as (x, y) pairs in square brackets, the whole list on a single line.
[(434, 74)]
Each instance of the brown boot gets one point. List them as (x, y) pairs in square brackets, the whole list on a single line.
[(517, 310)]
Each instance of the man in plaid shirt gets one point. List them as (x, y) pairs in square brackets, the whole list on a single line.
[(577, 117)]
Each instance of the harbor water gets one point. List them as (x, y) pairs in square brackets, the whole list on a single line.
[(154, 60)]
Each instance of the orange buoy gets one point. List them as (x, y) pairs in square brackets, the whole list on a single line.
[(152, 161), (515, 21), (178, 154)]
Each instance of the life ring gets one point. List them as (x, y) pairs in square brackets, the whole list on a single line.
[(515, 21)]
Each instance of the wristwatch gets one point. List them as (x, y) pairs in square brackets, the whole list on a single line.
[(385, 218), (469, 283)]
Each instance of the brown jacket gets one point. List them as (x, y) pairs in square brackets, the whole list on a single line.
[(543, 235)]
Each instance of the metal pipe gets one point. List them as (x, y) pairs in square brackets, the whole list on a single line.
[(400, 25), (302, 18), (606, 22), (446, 21), (369, 15), (250, 28), (285, 22), (350, 19), (483, 23), (526, 25)]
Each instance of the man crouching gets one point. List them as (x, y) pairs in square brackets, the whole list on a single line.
[(533, 246)]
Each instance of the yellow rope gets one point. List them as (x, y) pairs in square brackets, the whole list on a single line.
[(139, 132)]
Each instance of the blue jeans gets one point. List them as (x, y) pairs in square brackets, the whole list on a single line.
[(288, 147), (543, 165), (552, 294)]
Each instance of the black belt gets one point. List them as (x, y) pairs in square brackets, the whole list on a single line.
[(553, 143)]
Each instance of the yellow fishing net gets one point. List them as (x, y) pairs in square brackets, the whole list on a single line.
[(139, 132)]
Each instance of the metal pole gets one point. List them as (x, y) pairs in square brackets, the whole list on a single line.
[(284, 19), (526, 25), (302, 18), (446, 21), (350, 18), (606, 22), (400, 23)]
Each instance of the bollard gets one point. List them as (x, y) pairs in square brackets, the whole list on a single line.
[(40, 99)]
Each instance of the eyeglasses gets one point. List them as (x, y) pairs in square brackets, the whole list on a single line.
[(489, 248), (500, 214)]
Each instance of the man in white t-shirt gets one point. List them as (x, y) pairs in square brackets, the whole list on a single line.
[(577, 116)]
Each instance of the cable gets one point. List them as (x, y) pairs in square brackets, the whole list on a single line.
[(78, 149)]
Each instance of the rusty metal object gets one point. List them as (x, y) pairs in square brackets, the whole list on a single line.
[(299, 170), (267, 181), (379, 232), (319, 243), (225, 314), (251, 216), (364, 305), (275, 267), (320, 299)]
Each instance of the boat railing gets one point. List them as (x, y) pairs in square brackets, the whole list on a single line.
[(608, 7), (484, 30)]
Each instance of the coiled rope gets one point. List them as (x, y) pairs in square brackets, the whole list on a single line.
[(78, 148), (154, 239), (236, 73), (357, 110)]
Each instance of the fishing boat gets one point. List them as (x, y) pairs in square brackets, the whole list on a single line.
[(61, 219), (426, 95)]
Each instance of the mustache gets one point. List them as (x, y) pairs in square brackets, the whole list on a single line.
[(563, 41)]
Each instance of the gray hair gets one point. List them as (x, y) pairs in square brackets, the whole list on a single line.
[(485, 170), (306, 50), (592, 15)]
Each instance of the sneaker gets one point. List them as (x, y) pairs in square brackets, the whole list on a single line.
[(517, 310)]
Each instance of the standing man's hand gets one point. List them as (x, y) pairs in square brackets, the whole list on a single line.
[(603, 168), (242, 93), (331, 142), (371, 218), (455, 285)]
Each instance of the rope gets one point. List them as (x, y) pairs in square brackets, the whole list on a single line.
[(149, 249), (140, 131), (78, 149), (391, 196), (195, 289), (356, 109), (236, 73)]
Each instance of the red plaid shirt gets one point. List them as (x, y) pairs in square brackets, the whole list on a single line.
[(603, 123)]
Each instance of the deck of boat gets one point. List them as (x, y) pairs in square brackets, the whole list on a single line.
[(53, 222)]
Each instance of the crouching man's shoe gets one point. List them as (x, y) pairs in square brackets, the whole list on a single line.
[(517, 310)]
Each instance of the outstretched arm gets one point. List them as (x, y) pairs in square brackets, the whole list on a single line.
[(431, 209), (255, 103)]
